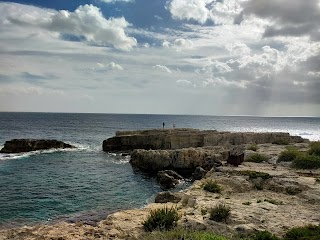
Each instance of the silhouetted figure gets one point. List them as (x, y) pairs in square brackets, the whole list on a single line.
[(173, 125), (163, 125)]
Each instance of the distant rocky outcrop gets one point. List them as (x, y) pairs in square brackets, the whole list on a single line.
[(188, 138), (28, 145)]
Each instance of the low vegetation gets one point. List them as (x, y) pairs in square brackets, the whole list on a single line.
[(179, 234), (263, 235), (212, 186), (257, 158), (254, 174), (306, 161), (253, 147), (161, 219), (281, 141), (309, 232), (314, 148), (246, 203), (289, 155), (220, 213), (302, 160)]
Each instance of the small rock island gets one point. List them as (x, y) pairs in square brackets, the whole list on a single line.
[(28, 145)]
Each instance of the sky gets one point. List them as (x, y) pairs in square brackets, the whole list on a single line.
[(202, 57)]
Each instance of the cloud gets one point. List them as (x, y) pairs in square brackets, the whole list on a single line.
[(184, 82), (216, 67), (115, 1), (190, 10), (162, 68), (288, 17), (178, 44), (110, 66), (86, 22)]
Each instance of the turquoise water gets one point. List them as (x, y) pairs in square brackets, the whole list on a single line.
[(87, 183)]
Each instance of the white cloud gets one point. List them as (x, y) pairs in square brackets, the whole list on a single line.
[(86, 21), (238, 49), (216, 67), (115, 1), (184, 82), (223, 82), (110, 66), (162, 68), (178, 44), (190, 10)]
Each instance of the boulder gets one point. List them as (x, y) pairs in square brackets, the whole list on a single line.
[(28, 145), (168, 179), (236, 155), (165, 197), (183, 161), (199, 173)]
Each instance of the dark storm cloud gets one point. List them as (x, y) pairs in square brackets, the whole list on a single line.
[(292, 17)]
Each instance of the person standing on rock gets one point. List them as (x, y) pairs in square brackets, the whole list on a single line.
[(163, 125)]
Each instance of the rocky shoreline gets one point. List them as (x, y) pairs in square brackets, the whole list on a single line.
[(269, 195)]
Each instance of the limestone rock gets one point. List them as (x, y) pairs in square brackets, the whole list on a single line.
[(28, 145), (188, 138), (236, 156), (165, 197), (181, 160), (199, 173), (168, 179)]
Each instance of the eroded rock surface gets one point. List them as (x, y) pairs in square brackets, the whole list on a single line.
[(181, 160), (28, 145), (188, 138)]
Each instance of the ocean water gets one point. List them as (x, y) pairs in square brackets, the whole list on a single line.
[(86, 183)]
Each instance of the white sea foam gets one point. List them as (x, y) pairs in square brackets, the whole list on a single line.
[(78, 147), (119, 159)]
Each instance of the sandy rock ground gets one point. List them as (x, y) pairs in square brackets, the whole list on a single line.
[(289, 198)]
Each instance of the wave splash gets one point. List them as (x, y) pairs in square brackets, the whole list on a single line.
[(78, 148)]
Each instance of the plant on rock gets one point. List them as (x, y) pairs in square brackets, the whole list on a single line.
[(289, 155), (220, 213), (212, 186), (257, 158), (161, 219)]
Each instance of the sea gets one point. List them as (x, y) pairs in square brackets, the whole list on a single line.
[(86, 184)]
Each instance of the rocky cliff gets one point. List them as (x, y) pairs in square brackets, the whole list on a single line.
[(188, 138), (181, 160), (27, 145)]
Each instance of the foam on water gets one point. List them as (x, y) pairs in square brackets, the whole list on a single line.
[(78, 147)]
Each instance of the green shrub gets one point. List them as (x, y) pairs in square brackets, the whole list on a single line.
[(257, 158), (288, 155), (281, 141), (264, 235), (303, 233), (315, 148), (253, 147), (259, 201), (220, 213), (246, 203), (161, 219), (212, 186), (306, 161), (179, 234), (254, 174)]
